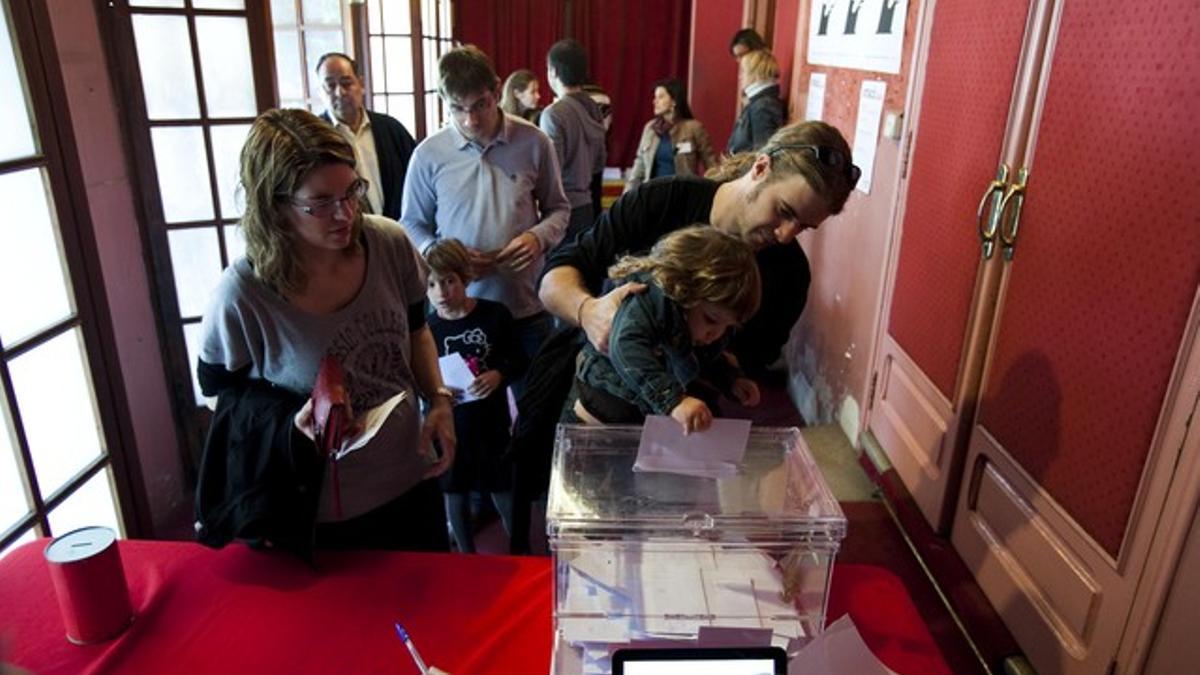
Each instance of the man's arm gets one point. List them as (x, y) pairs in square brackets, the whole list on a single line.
[(548, 121), (552, 201), (420, 201)]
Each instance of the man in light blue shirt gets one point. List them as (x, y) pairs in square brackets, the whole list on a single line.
[(492, 181)]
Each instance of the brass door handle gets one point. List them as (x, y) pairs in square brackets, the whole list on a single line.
[(1016, 197), (988, 225)]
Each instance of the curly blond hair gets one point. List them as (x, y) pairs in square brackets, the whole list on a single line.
[(701, 264)]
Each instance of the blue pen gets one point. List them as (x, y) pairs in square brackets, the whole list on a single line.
[(412, 649)]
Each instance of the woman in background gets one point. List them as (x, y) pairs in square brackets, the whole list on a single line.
[(758, 73), (520, 96), (673, 143)]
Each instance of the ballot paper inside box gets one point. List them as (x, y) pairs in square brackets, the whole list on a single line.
[(656, 558)]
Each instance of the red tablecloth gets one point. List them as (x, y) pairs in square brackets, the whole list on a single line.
[(242, 611)]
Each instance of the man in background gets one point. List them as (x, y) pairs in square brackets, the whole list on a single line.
[(575, 124), (382, 146)]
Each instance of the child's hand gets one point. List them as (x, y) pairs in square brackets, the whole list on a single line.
[(485, 383), (693, 414), (746, 392)]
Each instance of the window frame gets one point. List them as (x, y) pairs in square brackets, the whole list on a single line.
[(57, 158)]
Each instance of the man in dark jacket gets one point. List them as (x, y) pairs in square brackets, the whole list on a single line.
[(382, 145)]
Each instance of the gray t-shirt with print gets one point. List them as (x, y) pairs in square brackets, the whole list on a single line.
[(250, 324)]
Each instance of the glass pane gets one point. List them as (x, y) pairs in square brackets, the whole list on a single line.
[(58, 413), (94, 503), (283, 13), (289, 71), (13, 504), (192, 338), (431, 63), (156, 3), (165, 60), (32, 273), (444, 27), (196, 263), (398, 52), (293, 103), (235, 243), (227, 140), (316, 44), (182, 168), (378, 69), (374, 22), (433, 120), (218, 4), (328, 12), (29, 536), (396, 17), (225, 66), (428, 17), (17, 139), (401, 107)]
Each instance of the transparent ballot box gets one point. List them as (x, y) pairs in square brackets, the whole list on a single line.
[(643, 558)]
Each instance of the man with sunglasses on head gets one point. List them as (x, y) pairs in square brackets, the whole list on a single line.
[(492, 181), (800, 177), (382, 146)]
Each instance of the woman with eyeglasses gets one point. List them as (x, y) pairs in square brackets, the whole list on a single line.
[(673, 143), (320, 279)]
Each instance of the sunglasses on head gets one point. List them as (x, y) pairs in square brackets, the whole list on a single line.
[(830, 157)]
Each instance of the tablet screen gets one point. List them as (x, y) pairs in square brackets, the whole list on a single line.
[(700, 661)]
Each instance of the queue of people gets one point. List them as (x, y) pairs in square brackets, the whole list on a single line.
[(485, 241)]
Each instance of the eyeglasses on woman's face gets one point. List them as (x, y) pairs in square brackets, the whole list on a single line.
[(327, 207), (830, 157)]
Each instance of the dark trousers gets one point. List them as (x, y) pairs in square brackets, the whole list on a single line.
[(414, 521), (532, 331)]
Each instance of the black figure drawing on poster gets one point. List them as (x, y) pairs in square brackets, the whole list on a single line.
[(826, 11), (852, 16), (886, 15)]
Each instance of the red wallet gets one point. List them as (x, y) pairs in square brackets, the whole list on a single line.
[(330, 400)]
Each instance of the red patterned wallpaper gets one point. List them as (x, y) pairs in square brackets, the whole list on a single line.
[(1108, 259)]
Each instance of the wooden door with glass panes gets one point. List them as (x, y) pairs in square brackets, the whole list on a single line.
[(59, 448), (195, 74)]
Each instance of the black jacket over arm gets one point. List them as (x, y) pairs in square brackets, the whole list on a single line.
[(260, 478)]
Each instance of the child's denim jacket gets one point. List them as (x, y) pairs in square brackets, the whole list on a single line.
[(651, 359)]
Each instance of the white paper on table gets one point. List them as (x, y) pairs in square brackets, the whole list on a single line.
[(866, 131), (840, 649), (457, 375), (372, 422), (713, 453), (814, 108)]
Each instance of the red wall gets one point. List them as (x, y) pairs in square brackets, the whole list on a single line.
[(712, 82)]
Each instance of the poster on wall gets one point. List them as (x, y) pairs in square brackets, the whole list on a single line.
[(859, 34), (866, 132), (814, 109)]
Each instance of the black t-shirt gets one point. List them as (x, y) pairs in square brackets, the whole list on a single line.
[(641, 217)]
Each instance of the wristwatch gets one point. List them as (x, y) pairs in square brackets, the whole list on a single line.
[(444, 391)]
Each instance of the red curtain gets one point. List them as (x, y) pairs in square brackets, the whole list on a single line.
[(630, 44), (515, 33)]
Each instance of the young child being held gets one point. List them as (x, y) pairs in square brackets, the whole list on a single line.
[(482, 332), (700, 284)]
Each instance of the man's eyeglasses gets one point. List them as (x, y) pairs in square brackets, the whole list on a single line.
[(482, 103), (327, 207), (830, 157)]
